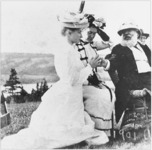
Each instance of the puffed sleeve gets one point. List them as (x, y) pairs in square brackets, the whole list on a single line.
[(70, 69)]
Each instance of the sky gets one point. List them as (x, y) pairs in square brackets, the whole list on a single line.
[(31, 26)]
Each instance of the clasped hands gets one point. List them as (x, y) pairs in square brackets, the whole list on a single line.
[(98, 62)]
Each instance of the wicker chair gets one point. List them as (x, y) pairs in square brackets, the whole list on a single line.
[(5, 115), (129, 121)]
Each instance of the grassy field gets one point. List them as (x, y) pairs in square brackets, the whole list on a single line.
[(20, 118)]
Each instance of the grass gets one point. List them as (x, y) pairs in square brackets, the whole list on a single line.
[(20, 118)]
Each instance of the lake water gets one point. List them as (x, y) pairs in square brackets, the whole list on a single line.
[(29, 87)]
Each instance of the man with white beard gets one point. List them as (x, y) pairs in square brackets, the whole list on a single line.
[(132, 61)]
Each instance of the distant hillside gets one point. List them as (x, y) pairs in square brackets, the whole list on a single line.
[(31, 68)]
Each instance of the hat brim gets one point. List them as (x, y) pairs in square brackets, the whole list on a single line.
[(145, 34), (120, 32), (75, 25)]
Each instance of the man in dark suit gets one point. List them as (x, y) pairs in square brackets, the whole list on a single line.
[(132, 61)]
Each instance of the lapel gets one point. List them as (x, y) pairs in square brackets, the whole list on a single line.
[(129, 53), (147, 52), (127, 60)]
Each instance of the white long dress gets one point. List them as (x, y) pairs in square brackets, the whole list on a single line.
[(60, 119)]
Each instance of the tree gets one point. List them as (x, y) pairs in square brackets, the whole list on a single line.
[(44, 86), (13, 81), (41, 88)]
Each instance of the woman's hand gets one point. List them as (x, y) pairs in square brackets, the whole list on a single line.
[(95, 62), (103, 62)]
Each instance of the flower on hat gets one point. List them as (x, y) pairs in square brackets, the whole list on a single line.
[(99, 21), (73, 20)]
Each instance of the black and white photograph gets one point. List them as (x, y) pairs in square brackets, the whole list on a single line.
[(75, 74)]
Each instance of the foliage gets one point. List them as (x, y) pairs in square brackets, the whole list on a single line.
[(13, 81), (41, 88), (23, 96), (17, 98), (21, 115)]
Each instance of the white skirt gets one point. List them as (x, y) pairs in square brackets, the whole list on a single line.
[(99, 105), (59, 121)]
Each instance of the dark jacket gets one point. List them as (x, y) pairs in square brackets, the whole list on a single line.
[(122, 60), (125, 65)]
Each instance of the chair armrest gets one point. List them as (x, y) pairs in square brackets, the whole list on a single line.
[(139, 93)]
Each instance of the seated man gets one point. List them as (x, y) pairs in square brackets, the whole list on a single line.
[(98, 98), (143, 37), (132, 61)]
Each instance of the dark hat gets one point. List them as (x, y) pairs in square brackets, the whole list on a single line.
[(143, 33)]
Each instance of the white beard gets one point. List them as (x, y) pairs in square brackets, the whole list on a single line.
[(129, 43)]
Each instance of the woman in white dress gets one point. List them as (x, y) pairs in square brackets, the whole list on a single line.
[(60, 119)]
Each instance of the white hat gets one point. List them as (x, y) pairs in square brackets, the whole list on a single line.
[(126, 26), (73, 20), (99, 22)]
